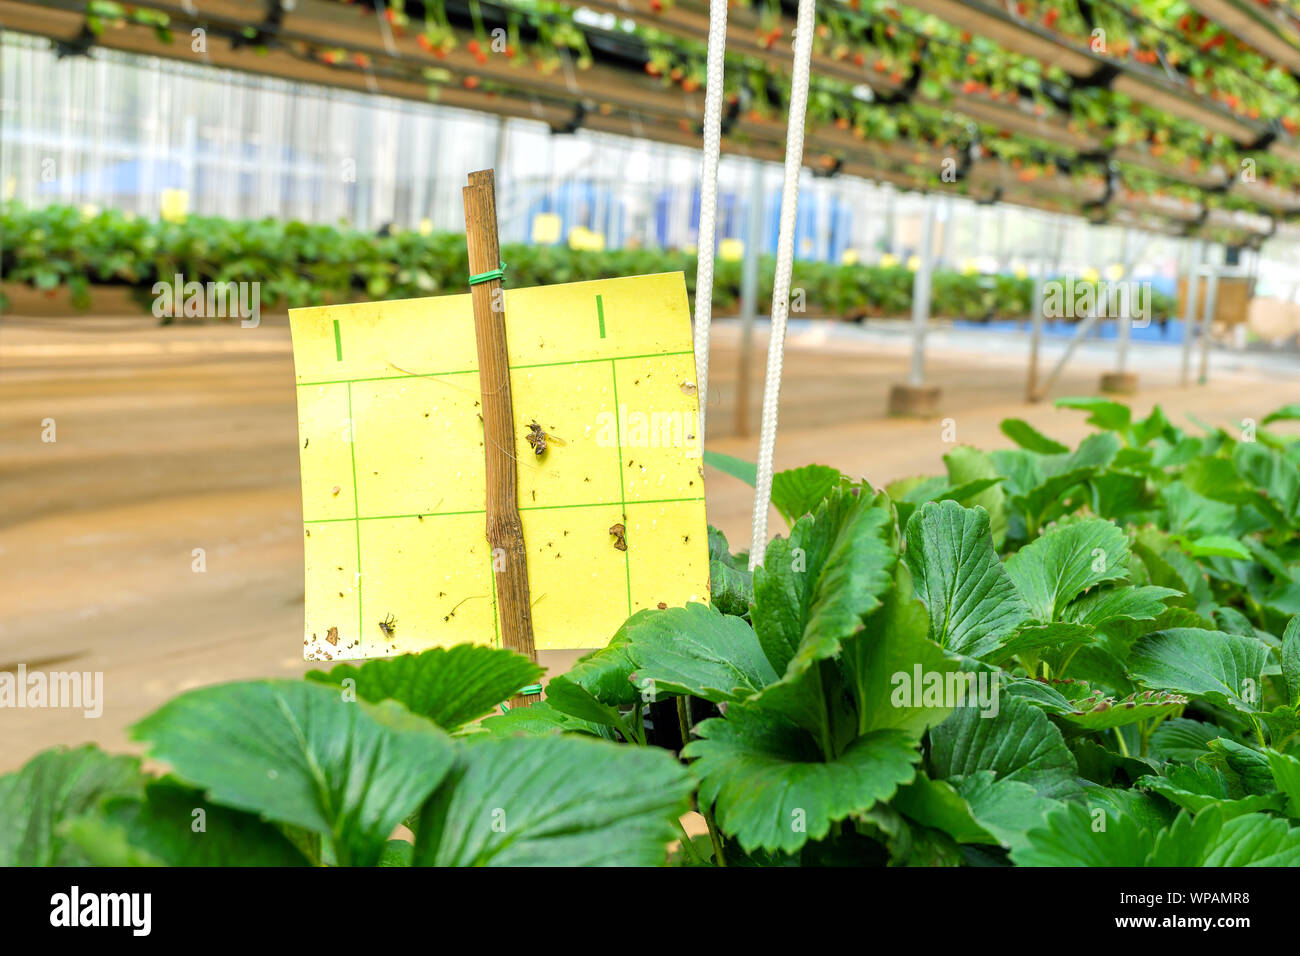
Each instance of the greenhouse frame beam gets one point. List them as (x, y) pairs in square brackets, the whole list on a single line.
[(337, 21), (319, 21), (1274, 40), (1140, 82), (686, 20), (1036, 330), (921, 294), (1213, 272), (667, 117), (1194, 260)]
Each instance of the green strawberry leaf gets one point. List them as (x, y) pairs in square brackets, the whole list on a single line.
[(772, 787), (1215, 545), (1224, 669), (798, 491), (1030, 640), (1103, 412), (56, 785), (1074, 834), (599, 683), (814, 588), (745, 471), (1197, 786), (894, 641), (1286, 774), (1030, 438), (966, 466), (539, 719), (973, 604), (297, 753), (1291, 661), (699, 651), (1018, 743), (1103, 606), (1052, 571), (450, 686), (731, 584), (553, 801), (1284, 414), (175, 826)]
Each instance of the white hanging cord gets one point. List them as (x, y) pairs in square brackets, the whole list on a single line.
[(784, 265), (709, 202)]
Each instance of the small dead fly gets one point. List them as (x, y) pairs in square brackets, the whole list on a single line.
[(620, 536), (388, 625), (540, 439)]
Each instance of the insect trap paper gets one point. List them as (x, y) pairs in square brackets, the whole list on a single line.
[(393, 485)]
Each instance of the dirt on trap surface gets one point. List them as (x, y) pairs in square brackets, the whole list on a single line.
[(178, 438)]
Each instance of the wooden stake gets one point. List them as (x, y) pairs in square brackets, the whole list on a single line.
[(505, 531)]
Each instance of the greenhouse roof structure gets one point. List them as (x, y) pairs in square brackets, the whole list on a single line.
[(1176, 116)]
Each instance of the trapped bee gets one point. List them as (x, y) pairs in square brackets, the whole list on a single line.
[(539, 439), (388, 625)]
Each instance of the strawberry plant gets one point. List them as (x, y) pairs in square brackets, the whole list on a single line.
[(62, 247), (1042, 656)]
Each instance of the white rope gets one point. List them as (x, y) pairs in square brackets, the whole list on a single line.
[(784, 265), (709, 202)]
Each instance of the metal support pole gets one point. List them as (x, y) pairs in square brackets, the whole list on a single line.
[(1211, 305), (749, 295), (1081, 333), (1189, 306), (1057, 250), (1036, 313), (921, 296), (1125, 320)]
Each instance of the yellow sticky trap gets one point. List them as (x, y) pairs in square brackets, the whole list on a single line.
[(174, 205), (391, 446), (731, 250), (582, 238), (546, 228)]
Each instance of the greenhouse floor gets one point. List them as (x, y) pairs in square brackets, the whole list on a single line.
[(172, 439)]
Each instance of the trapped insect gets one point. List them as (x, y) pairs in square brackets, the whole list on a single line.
[(539, 438), (388, 625)]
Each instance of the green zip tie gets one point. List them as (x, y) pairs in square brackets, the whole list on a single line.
[(497, 273), (530, 689)]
